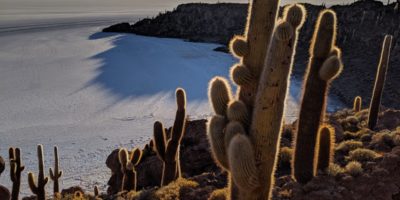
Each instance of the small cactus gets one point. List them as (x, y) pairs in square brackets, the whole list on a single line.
[(325, 65), (57, 173), (128, 163), (16, 169), (357, 105), (325, 148), (379, 82), (96, 191), (39, 188), (167, 148)]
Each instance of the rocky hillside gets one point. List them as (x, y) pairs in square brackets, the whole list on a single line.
[(362, 26)]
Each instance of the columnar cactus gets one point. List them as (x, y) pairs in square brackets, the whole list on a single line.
[(167, 145), (357, 105), (379, 82), (244, 134), (128, 163), (324, 65), (16, 169), (325, 148), (39, 188), (57, 173)]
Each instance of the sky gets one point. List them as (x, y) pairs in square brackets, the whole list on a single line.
[(142, 6)]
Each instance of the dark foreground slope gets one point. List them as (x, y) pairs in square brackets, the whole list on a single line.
[(378, 176), (362, 26)]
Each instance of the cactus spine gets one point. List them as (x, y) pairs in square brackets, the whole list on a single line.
[(167, 146), (323, 67), (357, 104), (16, 169), (244, 134), (39, 188), (325, 148), (128, 163), (379, 82), (57, 173)]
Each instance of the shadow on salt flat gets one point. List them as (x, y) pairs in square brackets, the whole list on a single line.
[(138, 66)]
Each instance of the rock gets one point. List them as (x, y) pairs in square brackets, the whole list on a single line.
[(194, 154), (388, 119), (2, 165), (4, 193), (119, 28), (72, 190)]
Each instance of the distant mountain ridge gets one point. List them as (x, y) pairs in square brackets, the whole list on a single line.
[(362, 26)]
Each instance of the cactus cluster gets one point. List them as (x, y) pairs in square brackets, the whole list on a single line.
[(245, 131), (167, 145), (128, 161)]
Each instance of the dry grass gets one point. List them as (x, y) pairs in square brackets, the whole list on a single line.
[(220, 194), (348, 145), (354, 168), (334, 170), (362, 155), (285, 155)]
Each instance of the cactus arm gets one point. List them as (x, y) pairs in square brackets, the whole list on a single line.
[(32, 183), (136, 156), (159, 139), (219, 95), (379, 82), (241, 75), (237, 111), (216, 137), (242, 162), (313, 105), (180, 117)]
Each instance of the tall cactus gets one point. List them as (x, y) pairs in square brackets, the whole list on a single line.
[(167, 146), (57, 173), (357, 105), (324, 65), (379, 82), (128, 163), (39, 188), (325, 148), (16, 169), (244, 135)]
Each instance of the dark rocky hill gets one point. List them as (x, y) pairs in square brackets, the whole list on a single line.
[(362, 26)]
